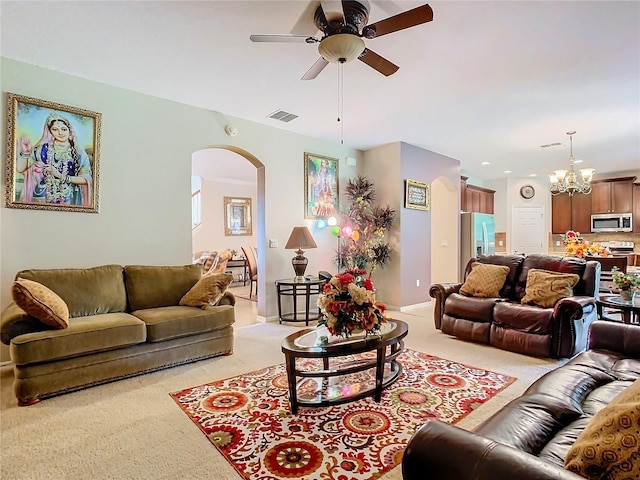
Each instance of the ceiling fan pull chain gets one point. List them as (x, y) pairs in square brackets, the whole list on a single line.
[(341, 99)]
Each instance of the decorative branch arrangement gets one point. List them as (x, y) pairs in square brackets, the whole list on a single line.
[(365, 229)]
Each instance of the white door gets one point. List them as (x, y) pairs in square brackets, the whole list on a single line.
[(528, 233)]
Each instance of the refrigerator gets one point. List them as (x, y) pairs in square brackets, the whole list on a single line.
[(477, 237)]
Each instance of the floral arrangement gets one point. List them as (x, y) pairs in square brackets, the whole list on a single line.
[(348, 304), (576, 246), (625, 281)]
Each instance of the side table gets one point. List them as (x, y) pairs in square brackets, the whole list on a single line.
[(290, 288)]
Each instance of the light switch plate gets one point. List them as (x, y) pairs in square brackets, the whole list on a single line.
[(273, 243)]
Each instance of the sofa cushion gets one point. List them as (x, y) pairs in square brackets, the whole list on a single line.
[(167, 323), (40, 302), (207, 291), (524, 318), (86, 291), (545, 288), (484, 280), (159, 286), (95, 333), (470, 308), (609, 447)]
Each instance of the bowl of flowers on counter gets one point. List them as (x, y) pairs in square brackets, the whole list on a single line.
[(576, 246)]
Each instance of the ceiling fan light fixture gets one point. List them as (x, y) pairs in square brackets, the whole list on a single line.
[(341, 48)]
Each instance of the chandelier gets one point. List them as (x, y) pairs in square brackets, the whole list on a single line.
[(568, 181)]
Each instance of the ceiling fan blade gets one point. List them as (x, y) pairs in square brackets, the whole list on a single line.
[(403, 20), (315, 69), (283, 38), (378, 63), (332, 10), (305, 24)]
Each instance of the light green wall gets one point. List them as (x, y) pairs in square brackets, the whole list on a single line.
[(145, 196)]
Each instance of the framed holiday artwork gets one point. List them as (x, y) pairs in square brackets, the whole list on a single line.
[(53, 153), (417, 195), (320, 186)]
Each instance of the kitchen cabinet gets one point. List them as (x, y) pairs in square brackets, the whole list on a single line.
[(479, 199), (612, 196), (570, 213), (474, 198), (560, 213)]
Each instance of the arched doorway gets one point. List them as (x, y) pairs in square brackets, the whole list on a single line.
[(231, 171), (445, 227)]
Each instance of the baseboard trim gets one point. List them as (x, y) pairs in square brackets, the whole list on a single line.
[(408, 308)]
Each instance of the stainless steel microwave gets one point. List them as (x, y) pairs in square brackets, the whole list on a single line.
[(612, 222)]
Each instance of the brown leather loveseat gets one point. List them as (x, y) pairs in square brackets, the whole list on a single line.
[(503, 321), (532, 437)]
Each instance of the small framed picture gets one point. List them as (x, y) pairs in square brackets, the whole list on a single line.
[(417, 195), (52, 156), (320, 186)]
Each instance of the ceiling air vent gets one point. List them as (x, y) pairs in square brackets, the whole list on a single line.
[(555, 144), (282, 116)]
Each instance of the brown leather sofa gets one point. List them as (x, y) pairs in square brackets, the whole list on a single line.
[(504, 322), (530, 437)]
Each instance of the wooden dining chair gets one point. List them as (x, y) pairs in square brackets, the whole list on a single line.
[(606, 271), (252, 265)]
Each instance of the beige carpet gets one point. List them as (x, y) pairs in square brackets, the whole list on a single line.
[(132, 429)]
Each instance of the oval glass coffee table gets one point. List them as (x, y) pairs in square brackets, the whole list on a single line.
[(341, 378)]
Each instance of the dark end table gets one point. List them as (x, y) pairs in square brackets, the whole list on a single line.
[(629, 309), (290, 288)]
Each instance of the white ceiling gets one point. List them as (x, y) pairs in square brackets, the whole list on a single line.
[(485, 81)]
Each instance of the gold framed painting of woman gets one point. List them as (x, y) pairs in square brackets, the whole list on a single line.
[(52, 156)]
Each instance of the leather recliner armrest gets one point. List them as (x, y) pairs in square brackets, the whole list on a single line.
[(442, 451), (617, 337), (440, 291), (573, 308)]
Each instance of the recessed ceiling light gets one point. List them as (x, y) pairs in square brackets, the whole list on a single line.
[(507, 171), (485, 163), (533, 175)]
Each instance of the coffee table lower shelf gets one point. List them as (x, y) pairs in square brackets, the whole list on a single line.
[(346, 382)]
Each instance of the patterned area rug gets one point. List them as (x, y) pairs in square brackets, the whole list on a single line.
[(249, 420)]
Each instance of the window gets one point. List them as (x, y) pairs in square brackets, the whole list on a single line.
[(196, 202)]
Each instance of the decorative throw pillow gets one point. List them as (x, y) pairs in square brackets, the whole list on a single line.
[(544, 288), (207, 291), (609, 447), (40, 302), (484, 280)]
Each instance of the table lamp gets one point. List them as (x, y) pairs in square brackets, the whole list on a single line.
[(300, 239)]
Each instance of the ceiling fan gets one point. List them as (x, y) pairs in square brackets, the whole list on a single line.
[(344, 25)]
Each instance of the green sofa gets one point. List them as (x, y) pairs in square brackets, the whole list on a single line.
[(123, 321)]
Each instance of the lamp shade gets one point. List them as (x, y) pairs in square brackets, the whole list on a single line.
[(300, 239)]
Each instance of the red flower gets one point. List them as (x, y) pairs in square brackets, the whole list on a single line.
[(368, 284), (345, 278)]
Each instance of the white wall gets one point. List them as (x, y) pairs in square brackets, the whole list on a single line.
[(145, 191)]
